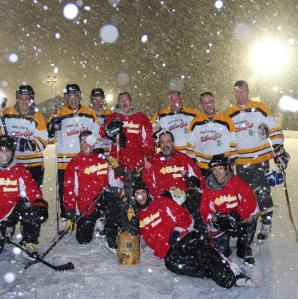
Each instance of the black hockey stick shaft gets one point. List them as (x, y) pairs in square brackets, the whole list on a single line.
[(62, 267), (60, 236), (289, 206)]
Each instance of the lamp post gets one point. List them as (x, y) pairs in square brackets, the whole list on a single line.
[(51, 80)]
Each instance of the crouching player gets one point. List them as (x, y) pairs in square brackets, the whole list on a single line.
[(20, 199), (87, 177), (227, 200), (167, 228)]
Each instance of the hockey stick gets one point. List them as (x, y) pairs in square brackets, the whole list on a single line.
[(38, 259), (213, 235), (289, 205), (60, 236)]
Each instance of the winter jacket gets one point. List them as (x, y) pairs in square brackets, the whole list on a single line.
[(16, 182), (158, 221), (236, 195), (140, 143), (161, 173)]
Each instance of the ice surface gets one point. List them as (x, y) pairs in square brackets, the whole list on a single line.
[(97, 274)]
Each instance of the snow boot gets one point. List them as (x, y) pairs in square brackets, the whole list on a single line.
[(264, 232)]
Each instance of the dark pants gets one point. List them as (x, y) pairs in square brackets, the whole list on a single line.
[(254, 175), (60, 192), (245, 234), (30, 219), (37, 173), (108, 206), (198, 258)]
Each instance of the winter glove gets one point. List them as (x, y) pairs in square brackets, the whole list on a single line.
[(193, 182), (23, 145), (223, 221), (114, 163), (69, 226), (176, 194), (280, 156), (55, 124)]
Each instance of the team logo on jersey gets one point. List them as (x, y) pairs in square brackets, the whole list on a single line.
[(149, 219), (213, 137), (99, 168), (131, 127), (229, 200), (181, 125), (21, 134), (176, 170), (243, 126), (8, 182)]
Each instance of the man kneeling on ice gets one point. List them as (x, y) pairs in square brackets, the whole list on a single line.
[(167, 228), (20, 199)]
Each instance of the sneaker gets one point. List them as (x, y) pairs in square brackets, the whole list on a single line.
[(244, 281), (264, 232), (111, 244)]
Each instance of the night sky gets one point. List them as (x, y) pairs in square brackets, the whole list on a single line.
[(190, 44)]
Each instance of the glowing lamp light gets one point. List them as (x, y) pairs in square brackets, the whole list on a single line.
[(269, 56), (109, 98)]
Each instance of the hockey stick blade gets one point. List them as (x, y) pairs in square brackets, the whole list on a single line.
[(63, 267)]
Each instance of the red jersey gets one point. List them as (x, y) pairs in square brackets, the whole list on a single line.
[(158, 221), (161, 172), (139, 144), (235, 195), (85, 177), (16, 182)]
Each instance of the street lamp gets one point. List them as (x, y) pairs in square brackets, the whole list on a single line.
[(51, 80)]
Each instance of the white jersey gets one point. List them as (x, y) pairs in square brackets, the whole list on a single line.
[(253, 144), (177, 123), (208, 137), (73, 123)]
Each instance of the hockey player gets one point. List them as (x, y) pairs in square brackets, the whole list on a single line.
[(211, 133), (28, 127), (254, 123), (175, 119), (174, 172), (20, 198), (227, 200), (98, 105), (167, 229), (64, 128), (86, 177), (131, 132)]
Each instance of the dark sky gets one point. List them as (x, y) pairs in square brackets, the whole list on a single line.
[(191, 39)]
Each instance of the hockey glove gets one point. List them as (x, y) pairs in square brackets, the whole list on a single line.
[(40, 210), (69, 226), (176, 194), (55, 124), (23, 145), (114, 163), (174, 237), (193, 182), (114, 128), (223, 221), (280, 156)]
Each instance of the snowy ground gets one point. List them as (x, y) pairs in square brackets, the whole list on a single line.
[(97, 274)]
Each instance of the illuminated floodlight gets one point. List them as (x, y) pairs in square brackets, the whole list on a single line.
[(269, 56), (109, 98)]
